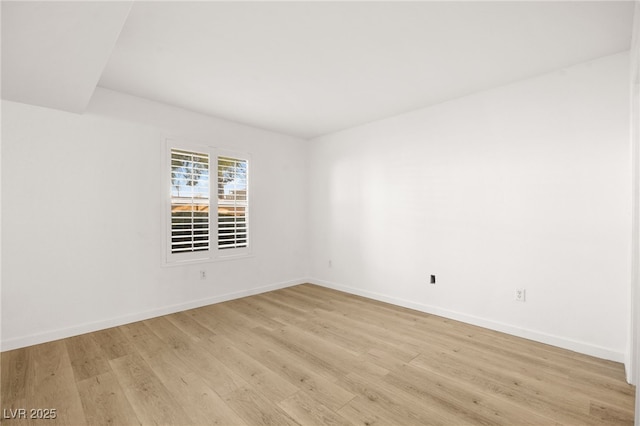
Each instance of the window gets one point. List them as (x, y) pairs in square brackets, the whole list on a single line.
[(189, 201), (206, 219), (232, 203)]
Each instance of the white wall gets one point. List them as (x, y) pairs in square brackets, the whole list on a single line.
[(82, 217), (526, 185), (633, 370)]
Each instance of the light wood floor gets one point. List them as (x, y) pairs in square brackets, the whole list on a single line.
[(309, 355)]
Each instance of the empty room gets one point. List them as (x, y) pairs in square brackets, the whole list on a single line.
[(308, 213)]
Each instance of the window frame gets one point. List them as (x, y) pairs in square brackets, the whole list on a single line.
[(214, 253)]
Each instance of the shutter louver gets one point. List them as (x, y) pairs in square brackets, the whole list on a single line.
[(232, 203), (190, 201)]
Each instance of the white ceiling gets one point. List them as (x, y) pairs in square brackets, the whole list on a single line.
[(309, 68), (53, 53)]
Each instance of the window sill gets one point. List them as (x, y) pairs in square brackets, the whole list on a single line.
[(217, 259)]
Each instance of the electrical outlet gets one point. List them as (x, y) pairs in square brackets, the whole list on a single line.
[(521, 294), (203, 275), (432, 279)]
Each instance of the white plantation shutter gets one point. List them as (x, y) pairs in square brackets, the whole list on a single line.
[(233, 203), (207, 216), (190, 201)]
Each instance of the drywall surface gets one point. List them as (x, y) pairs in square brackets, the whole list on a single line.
[(633, 370), (523, 186), (82, 216)]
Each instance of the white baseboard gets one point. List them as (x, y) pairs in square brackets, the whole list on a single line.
[(558, 341), (628, 370), (51, 335)]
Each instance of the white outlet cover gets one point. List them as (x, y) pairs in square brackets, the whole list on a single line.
[(521, 294)]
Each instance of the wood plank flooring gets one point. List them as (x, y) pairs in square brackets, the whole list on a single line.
[(311, 356)]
